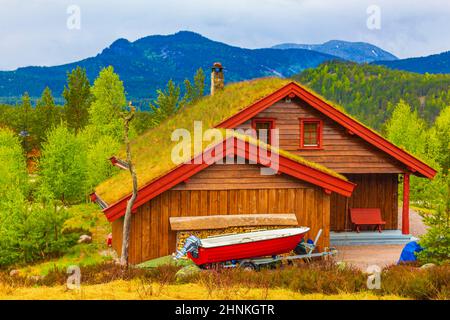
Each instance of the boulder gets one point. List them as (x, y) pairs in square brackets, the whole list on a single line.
[(428, 265), (85, 239)]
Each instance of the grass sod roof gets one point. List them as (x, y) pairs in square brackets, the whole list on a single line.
[(152, 150)]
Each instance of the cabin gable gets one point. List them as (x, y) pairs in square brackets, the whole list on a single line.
[(239, 176), (339, 149)]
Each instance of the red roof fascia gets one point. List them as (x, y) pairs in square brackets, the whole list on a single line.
[(255, 108), (301, 172), (184, 171), (338, 116)]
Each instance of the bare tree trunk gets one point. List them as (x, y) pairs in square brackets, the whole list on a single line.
[(127, 219)]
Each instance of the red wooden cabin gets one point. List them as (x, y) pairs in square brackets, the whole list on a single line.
[(356, 168)]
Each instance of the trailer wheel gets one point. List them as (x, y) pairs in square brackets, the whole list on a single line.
[(248, 266)]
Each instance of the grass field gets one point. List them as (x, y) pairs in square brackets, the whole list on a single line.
[(136, 289)]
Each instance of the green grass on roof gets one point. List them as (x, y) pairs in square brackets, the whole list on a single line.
[(152, 150)]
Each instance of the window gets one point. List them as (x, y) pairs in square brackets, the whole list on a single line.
[(264, 124), (310, 133)]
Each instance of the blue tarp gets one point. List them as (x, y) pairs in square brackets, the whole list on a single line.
[(408, 251)]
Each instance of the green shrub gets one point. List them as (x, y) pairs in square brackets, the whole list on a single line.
[(436, 242), (412, 282), (33, 232)]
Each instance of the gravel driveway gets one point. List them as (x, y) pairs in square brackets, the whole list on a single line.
[(381, 255)]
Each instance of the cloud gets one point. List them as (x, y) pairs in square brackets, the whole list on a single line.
[(34, 32)]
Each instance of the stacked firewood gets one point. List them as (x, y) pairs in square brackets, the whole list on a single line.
[(183, 235)]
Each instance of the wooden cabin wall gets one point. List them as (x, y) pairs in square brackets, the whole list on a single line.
[(372, 191), (239, 176), (152, 237), (341, 151)]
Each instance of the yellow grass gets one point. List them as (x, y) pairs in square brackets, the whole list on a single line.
[(135, 289)]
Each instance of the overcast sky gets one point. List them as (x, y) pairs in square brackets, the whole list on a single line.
[(35, 32)]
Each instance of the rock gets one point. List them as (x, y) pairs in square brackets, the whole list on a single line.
[(186, 272), (428, 265), (14, 273), (85, 239)]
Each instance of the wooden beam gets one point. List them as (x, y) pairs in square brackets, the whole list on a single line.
[(226, 221), (405, 209)]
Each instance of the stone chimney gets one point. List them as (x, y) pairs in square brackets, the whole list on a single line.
[(217, 81)]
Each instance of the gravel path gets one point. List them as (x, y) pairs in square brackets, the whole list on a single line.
[(381, 255), (416, 226)]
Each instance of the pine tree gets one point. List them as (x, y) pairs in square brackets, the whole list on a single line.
[(47, 114), (26, 122), (196, 91), (166, 104), (78, 98)]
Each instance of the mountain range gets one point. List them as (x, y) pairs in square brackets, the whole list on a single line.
[(436, 63), (150, 62), (360, 52)]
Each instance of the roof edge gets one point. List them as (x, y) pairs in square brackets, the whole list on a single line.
[(328, 182), (369, 135)]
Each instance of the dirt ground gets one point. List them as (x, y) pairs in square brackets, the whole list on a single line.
[(381, 255)]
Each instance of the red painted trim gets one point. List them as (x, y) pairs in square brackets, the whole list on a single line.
[(93, 197), (334, 114), (264, 120), (405, 209), (184, 171), (116, 163), (319, 133)]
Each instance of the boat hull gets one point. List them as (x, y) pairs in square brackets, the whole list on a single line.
[(246, 250)]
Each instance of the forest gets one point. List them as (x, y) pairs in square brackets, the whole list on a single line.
[(370, 92), (53, 155)]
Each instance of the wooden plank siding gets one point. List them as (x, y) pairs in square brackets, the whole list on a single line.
[(341, 151), (155, 239), (239, 176), (372, 191)]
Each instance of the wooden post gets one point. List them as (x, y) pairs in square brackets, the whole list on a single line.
[(405, 211)]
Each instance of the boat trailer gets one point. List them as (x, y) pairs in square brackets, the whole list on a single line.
[(306, 255), (304, 250)]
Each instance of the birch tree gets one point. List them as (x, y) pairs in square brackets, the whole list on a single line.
[(127, 118)]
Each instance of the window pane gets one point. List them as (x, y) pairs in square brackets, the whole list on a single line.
[(310, 134), (265, 135)]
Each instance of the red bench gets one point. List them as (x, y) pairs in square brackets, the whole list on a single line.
[(366, 216)]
